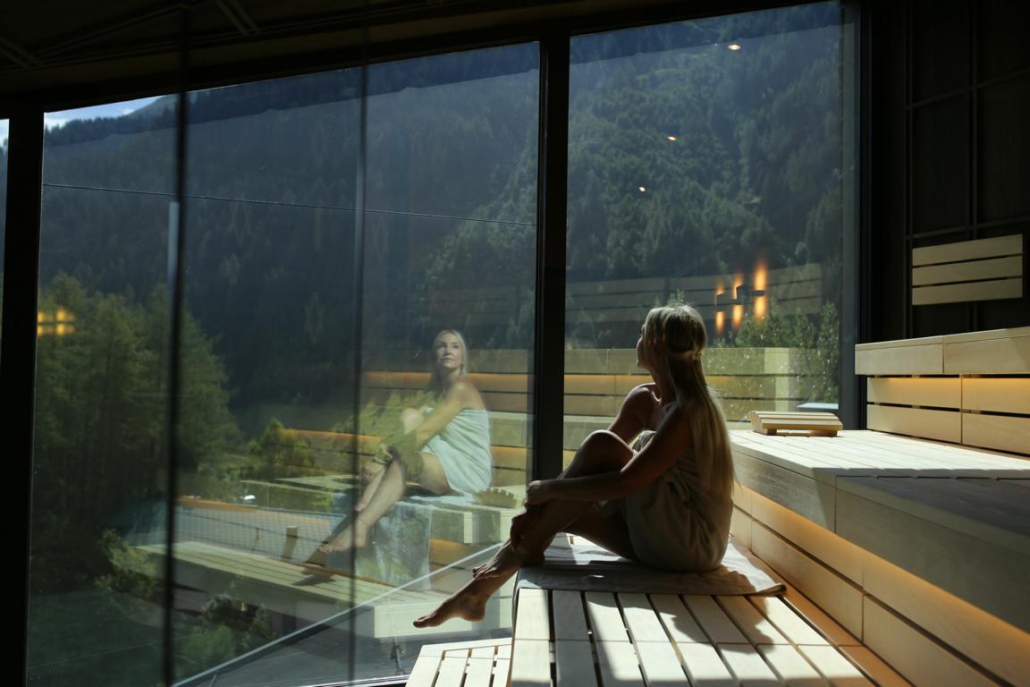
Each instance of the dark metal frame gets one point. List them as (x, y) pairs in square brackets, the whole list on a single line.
[(18, 348), (24, 195), (552, 208)]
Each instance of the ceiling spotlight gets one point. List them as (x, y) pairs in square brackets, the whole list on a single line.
[(734, 46)]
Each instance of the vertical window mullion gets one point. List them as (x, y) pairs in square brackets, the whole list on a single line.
[(18, 354), (552, 192)]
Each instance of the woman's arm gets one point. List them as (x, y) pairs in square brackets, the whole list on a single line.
[(672, 439), (634, 413), (461, 395)]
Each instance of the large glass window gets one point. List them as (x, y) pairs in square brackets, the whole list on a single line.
[(354, 342), (99, 464), (308, 365), (706, 166)]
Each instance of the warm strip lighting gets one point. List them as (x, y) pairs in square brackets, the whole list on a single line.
[(734, 46)]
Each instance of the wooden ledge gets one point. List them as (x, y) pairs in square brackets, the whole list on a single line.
[(954, 516)]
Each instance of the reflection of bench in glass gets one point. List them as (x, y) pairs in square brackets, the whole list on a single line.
[(284, 589), (596, 382), (622, 303), (918, 544)]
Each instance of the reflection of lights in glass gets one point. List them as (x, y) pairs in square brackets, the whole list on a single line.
[(720, 322), (734, 46), (760, 299), (59, 323), (643, 189), (738, 315), (671, 138)]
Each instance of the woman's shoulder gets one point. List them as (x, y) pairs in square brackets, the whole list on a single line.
[(643, 400), (646, 390), (465, 392)]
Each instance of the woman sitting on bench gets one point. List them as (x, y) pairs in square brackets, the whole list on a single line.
[(445, 448), (666, 504)]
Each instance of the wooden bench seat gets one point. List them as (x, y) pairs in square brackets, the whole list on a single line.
[(573, 638), (920, 563)]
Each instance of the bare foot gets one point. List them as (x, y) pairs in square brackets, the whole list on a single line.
[(317, 557), (463, 604), (505, 562), (353, 537)]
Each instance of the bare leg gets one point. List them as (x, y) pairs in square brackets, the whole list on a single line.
[(602, 451), (468, 603), (390, 491), (370, 490)]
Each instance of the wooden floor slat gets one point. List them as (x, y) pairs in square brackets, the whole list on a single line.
[(676, 619), (705, 666), (835, 667), (748, 665), (599, 639), (452, 669), (791, 666), (574, 660), (719, 628), (617, 664)]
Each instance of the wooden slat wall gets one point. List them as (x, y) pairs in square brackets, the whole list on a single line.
[(986, 269), (941, 425), (989, 411), (918, 628)]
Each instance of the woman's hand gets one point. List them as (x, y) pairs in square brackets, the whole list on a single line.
[(539, 492)]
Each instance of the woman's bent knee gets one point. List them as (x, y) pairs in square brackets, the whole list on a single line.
[(603, 451)]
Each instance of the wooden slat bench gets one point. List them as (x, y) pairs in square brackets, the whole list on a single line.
[(572, 638), (479, 663), (918, 547)]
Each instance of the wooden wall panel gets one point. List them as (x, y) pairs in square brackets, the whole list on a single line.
[(999, 432), (995, 644), (926, 359), (1008, 354), (997, 394), (939, 392), (833, 593), (942, 425), (978, 571), (999, 289), (842, 556), (913, 654), (977, 270), (961, 251)]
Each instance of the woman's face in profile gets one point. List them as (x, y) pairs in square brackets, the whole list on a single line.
[(448, 352)]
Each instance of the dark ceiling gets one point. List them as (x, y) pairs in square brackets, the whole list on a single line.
[(52, 51)]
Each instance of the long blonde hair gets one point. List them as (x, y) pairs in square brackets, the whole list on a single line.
[(677, 334)]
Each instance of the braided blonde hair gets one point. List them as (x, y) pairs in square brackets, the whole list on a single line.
[(677, 334)]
